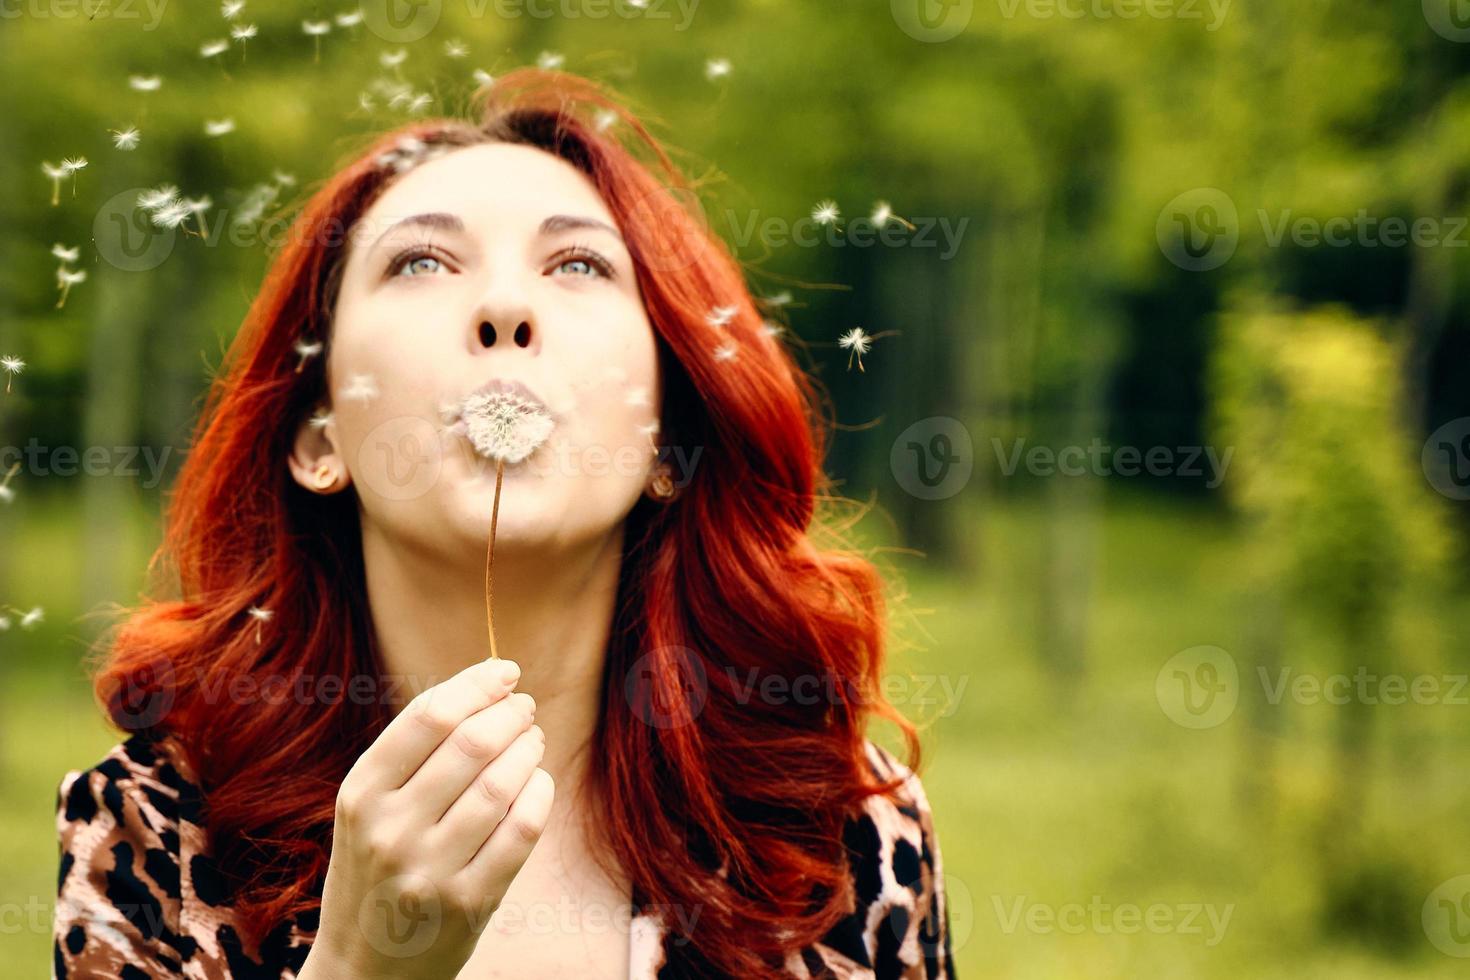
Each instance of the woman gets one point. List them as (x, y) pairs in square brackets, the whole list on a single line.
[(325, 774)]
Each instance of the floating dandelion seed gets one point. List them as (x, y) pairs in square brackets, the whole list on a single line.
[(604, 120), (720, 316), (482, 77), (826, 212), (125, 139), (11, 366), (56, 174), (351, 19), (65, 279), (365, 101), (314, 29), (66, 254), (71, 165), (550, 60), (283, 178), (883, 213), (7, 494), (159, 197), (320, 419), (507, 427), (771, 328), (420, 102), (4, 623), (780, 299), (261, 617), (857, 342), (637, 396), (361, 387), (639, 4), (306, 351), (219, 127), (144, 83), (212, 49), (197, 206), (230, 8), (716, 68), (171, 215), (243, 33), (455, 48), (650, 430), (392, 59), (32, 617), (726, 352)]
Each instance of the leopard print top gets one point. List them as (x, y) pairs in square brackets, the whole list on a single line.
[(139, 895)]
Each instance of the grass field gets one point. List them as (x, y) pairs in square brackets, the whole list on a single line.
[(1085, 834)]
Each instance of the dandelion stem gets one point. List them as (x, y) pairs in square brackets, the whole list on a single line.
[(490, 556)]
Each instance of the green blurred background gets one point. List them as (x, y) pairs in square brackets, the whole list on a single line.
[(1166, 431)]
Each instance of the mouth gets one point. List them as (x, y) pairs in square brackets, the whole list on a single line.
[(503, 419)]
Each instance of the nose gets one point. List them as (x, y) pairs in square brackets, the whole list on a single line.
[(504, 324)]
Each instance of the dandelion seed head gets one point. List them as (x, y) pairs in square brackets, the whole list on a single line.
[(780, 299), (482, 77), (716, 68), (261, 614), (197, 205), (144, 83), (66, 254), (826, 212), (160, 196), (349, 19), (243, 32), (219, 127), (771, 328), (315, 28), (320, 419), (604, 120), (13, 365), (6, 496), (31, 618), (73, 164), (882, 212), (210, 49), (455, 48), (550, 60), (283, 178), (53, 171), (229, 8), (726, 352), (70, 277), (125, 139), (392, 59), (505, 426)]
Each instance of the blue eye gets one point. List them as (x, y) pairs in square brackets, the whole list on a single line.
[(409, 263), (584, 262)]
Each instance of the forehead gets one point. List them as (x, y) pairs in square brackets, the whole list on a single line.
[(491, 185)]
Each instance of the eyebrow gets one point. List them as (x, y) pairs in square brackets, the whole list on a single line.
[(444, 221)]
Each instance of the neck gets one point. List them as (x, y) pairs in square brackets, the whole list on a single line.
[(553, 614)]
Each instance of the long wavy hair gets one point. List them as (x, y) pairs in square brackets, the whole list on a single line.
[(710, 799)]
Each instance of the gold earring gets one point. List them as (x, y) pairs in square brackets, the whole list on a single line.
[(662, 485), (325, 476)]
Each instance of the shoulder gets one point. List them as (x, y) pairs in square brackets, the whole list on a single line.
[(118, 884), (899, 924)]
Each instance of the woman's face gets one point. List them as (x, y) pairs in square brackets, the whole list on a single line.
[(492, 262)]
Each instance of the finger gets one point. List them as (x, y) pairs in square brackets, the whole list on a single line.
[(461, 757), (502, 855), (489, 798), (428, 719)]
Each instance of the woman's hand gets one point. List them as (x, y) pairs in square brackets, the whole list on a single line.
[(432, 824)]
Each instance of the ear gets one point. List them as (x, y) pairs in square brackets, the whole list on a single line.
[(315, 461)]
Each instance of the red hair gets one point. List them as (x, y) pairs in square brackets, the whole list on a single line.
[(709, 799)]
